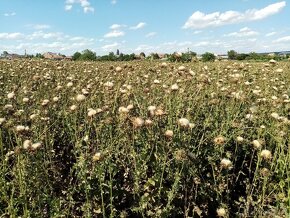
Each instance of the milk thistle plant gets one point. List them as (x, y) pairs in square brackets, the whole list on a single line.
[(144, 139)]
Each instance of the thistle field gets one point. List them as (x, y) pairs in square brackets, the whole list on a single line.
[(144, 139)]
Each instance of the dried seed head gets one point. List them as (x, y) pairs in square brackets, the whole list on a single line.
[(257, 144), (266, 154), (226, 163), (2, 120), (92, 112), (148, 122), (27, 144), (80, 97), (220, 140), (180, 155), (35, 146), (25, 100), (137, 122), (11, 95), (123, 110), (174, 87), (168, 133), (130, 106), (97, 156), (73, 107), (183, 122), (239, 139), (221, 212)]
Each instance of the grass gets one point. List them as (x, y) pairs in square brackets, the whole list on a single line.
[(117, 161)]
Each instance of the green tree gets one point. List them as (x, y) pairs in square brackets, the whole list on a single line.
[(88, 55), (207, 57), (232, 55), (38, 55), (154, 56), (142, 55), (112, 56), (76, 56), (242, 56), (253, 56)]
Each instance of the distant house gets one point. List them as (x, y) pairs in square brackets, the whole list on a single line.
[(53, 56), (68, 58), (11, 56), (272, 54), (222, 57), (284, 54)]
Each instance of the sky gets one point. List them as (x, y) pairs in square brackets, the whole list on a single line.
[(134, 26)]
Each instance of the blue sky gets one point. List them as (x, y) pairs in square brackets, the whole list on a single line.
[(162, 26)]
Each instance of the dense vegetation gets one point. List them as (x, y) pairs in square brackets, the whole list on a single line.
[(144, 139)]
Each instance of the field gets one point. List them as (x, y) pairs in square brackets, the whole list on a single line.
[(144, 139)]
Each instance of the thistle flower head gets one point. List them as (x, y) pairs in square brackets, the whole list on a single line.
[(97, 157), (91, 112), (168, 133), (226, 163), (220, 140), (36, 146), (257, 144), (240, 139), (183, 122), (174, 87), (137, 122), (80, 97), (2, 120), (27, 144), (11, 95), (221, 212), (266, 154)]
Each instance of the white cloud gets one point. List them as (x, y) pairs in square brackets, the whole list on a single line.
[(89, 9), (85, 4), (116, 26), (144, 48), (41, 26), (149, 35), (244, 32), (9, 14), (114, 33), (113, 2), (138, 26), (197, 32), (283, 39), (67, 7), (11, 36), (271, 34), (45, 35), (199, 20), (109, 47)]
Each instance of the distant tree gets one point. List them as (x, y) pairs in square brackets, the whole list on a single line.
[(254, 56), (232, 55), (38, 55), (207, 57), (154, 56), (187, 57), (5, 53), (76, 56), (112, 56), (121, 57), (242, 56), (88, 55), (132, 57), (142, 55), (118, 52)]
